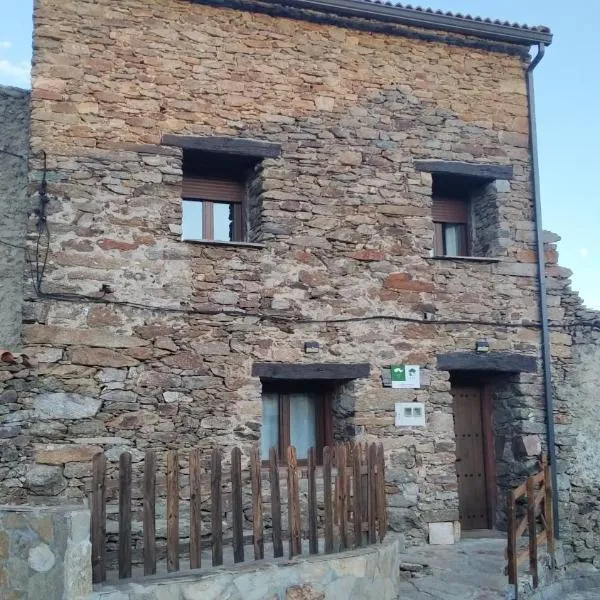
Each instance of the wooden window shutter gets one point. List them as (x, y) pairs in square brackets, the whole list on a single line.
[(449, 210), (217, 190)]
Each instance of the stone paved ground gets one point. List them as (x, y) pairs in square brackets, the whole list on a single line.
[(469, 570)]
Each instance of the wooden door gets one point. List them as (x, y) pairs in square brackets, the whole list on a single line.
[(470, 458)]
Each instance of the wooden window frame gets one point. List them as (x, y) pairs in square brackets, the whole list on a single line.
[(323, 418)]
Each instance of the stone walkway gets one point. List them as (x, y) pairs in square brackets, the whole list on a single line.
[(469, 570)]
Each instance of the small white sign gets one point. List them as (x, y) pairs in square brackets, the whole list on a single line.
[(410, 414), (406, 376)]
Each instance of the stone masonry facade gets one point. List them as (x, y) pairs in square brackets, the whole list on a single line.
[(143, 341), (14, 143)]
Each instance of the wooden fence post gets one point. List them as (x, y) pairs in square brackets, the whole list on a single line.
[(342, 509), (125, 515), (549, 513), (216, 508), (357, 498), (533, 558), (372, 465), (150, 513), (98, 527), (172, 511), (327, 501), (275, 503), (313, 542), (381, 506), (257, 506), (236, 505), (295, 545), (512, 540), (195, 509)]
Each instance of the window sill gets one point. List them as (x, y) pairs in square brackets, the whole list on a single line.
[(255, 245), (476, 259)]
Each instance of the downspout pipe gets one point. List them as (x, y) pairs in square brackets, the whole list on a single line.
[(543, 307)]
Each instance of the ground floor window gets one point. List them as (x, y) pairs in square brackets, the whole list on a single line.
[(295, 415)]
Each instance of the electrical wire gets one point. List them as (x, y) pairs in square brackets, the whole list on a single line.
[(9, 153)]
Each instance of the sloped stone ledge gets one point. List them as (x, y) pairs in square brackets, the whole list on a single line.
[(367, 573)]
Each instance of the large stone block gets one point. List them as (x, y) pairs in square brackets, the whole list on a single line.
[(45, 480), (59, 454), (441, 534), (61, 405)]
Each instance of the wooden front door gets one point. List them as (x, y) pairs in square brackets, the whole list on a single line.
[(474, 509)]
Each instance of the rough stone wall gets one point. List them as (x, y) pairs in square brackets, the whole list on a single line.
[(345, 222), (45, 553), (576, 375), (14, 143)]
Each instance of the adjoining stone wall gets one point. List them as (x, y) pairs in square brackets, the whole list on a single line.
[(14, 143), (370, 573), (140, 342), (45, 553), (576, 374)]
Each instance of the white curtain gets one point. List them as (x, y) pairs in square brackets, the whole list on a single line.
[(270, 424), (303, 430)]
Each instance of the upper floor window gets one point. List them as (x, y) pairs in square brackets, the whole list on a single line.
[(212, 209), (451, 226), (214, 197)]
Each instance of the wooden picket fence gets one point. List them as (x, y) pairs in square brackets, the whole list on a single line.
[(536, 494), (352, 511)]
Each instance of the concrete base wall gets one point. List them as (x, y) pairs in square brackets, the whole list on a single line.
[(357, 575), (45, 553)]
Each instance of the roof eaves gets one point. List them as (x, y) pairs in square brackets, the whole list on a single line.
[(428, 19)]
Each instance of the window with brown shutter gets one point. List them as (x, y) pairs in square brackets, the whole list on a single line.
[(451, 226), (212, 209)]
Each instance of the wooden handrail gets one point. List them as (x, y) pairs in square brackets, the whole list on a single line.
[(537, 492)]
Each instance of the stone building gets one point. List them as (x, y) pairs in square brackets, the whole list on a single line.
[(250, 212)]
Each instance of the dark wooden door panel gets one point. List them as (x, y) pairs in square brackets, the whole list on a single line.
[(470, 462)]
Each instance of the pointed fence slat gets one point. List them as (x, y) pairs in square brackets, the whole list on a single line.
[(195, 510), (313, 542), (236, 504), (98, 526), (257, 506), (371, 465), (150, 513), (172, 511), (125, 516), (533, 550), (357, 495), (327, 501), (216, 509), (275, 503), (342, 498), (295, 544), (381, 508)]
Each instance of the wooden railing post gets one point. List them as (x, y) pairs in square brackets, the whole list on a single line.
[(327, 500), (275, 503), (98, 526), (195, 508), (549, 513), (236, 506), (511, 517), (313, 542), (357, 498), (381, 507), (150, 513), (125, 516), (216, 508), (342, 510), (295, 544), (172, 511), (533, 559), (257, 506)]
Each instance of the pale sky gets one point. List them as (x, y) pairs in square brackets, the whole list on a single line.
[(567, 91)]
